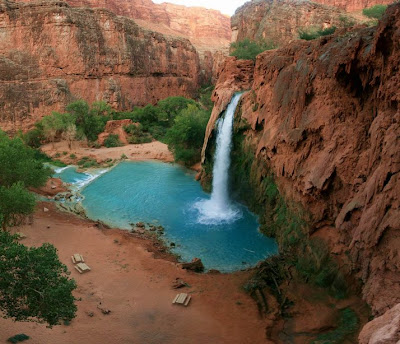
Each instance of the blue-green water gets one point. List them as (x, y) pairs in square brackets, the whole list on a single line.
[(166, 194)]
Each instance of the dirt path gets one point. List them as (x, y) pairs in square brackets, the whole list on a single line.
[(137, 289)]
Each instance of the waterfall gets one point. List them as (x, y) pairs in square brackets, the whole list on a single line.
[(219, 209)]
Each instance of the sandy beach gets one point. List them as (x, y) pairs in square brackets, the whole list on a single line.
[(155, 150), (137, 289)]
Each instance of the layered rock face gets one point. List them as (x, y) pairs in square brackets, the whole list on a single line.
[(325, 118), (354, 5), (51, 54), (208, 30), (279, 22)]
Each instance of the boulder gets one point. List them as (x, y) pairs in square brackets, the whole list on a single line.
[(195, 265)]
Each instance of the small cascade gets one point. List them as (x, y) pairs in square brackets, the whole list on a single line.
[(219, 209)]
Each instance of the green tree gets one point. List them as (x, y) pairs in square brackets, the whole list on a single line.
[(248, 49), (34, 284), (18, 164), (89, 121), (15, 204), (375, 12), (186, 136), (170, 107)]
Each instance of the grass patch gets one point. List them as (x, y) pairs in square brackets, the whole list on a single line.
[(313, 33)]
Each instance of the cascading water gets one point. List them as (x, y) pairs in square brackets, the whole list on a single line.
[(219, 209)]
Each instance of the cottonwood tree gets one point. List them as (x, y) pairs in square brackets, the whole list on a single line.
[(34, 284)]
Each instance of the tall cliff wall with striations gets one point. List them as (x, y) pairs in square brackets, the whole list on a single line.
[(51, 54), (279, 21), (354, 5), (208, 30), (325, 119)]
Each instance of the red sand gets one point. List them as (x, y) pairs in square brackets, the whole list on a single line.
[(137, 288)]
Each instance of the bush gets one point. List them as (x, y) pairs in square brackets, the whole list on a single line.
[(248, 50), (312, 33), (375, 12), (18, 338), (186, 136), (347, 21), (112, 141)]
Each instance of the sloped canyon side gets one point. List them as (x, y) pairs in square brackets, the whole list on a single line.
[(324, 118), (52, 54)]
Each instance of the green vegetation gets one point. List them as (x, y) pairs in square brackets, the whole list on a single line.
[(311, 33), (18, 338), (348, 324), (286, 221), (79, 122), (186, 136), (375, 12), (248, 50), (18, 163), (87, 162), (136, 134), (347, 21), (112, 140), (34, 285)]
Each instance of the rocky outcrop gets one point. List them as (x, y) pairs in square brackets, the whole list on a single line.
[(325, 119), (353, 5), (383, 330), (278, 22), (51, 54), (115, 127)]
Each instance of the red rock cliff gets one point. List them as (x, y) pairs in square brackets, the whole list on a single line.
[(51, 54), (208, 30), (279, 22), (325, 117), (354, 5)]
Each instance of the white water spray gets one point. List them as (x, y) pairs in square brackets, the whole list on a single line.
[(219, 209)]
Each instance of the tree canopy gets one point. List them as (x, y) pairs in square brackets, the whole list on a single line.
[(34, 284), (18, 164)]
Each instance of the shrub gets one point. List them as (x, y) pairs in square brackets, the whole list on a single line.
[(18, 338), (347, 21), (72, 156), (248, 50), (312, 33), (375, 12), (186, 136), (112, 141)]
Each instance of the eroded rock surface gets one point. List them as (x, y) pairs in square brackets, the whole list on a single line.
[(279, 22), (51, 54), (325, 118), (384, 329)]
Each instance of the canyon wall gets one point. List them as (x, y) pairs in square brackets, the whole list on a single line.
[(354, 5), (51, 54), (208, 30), (279, 22), (325, 119)]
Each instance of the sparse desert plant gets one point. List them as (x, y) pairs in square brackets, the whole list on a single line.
[(375, 12)]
